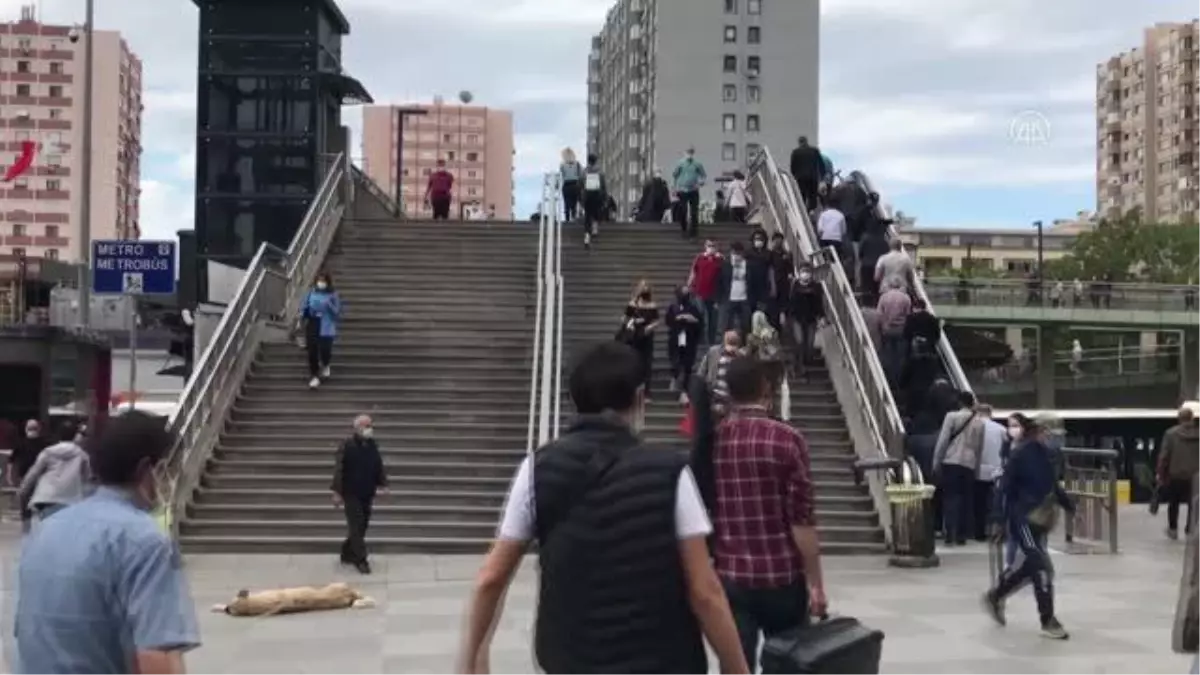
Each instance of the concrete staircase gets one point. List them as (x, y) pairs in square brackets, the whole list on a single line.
[(599, 283), (436, 346)]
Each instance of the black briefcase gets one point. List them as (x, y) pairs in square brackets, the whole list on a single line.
[(834, 645)]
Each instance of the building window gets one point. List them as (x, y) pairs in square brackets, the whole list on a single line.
[(472, 192), (730, 34), (753, 93), (729, 122), (56, 68), (52, 185), (472, 138), (52, 231), (730, 63), (445, 138), (752, 150), (56, 91), (25, 43), (21, 183), (752, 123), (472, 156), (729, 93), (55, 113), (23, 90), (53, 160), (731, 6), (18, 231), (472, 173), (754, 6), (23, 67), (450, 155), (51, 254), (754, 35), (19, 252), (728, 152), (753, 65)]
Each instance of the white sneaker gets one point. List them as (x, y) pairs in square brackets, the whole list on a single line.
[(595, 228), (325, 372), (314, 383), (587, 240)]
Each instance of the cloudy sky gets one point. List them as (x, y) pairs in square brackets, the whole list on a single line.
[(923, 95)]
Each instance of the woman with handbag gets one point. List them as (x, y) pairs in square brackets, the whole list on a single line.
[(637, 329), (1032, 497)]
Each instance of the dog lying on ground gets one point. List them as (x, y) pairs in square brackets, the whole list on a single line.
[(295, 600)]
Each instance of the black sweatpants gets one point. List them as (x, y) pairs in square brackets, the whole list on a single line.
[(570, 195), (683, 360), (957, 484), (690, 225), (358, 518), (441, 207), (320, 349), (645, 349), (1178, 491), (593, 210)]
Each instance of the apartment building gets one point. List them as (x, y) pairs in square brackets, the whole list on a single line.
[(726, 77), (1147, 102), (475, 141), (1006, 250), (41, 100)]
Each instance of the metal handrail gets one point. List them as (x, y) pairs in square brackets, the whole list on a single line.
[(882, 415), (556, 225), (553, 303), (271, 289), (369, 184), (533, 432), (953, 368)]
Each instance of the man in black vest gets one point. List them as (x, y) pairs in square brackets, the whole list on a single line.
[(626, 583)]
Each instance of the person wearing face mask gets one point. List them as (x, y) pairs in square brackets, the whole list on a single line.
[(807, 308), (321, 311), (734, 290), (1032, 497), (715, 364), (956, 458), (689, 176), (24, 453), (683, 338), (705, 279), (358, 474), (656, 199), (783, 267), (621, 531), (100, 587), (760, 277), (641, 319)]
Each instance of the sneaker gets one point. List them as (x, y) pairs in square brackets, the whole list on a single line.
[(1053, 630), (683, 399), (363, 567), (674, 386), (325, 372), (587, 240), (595, 228), (1172, 534), (314, 383), (994, 608)]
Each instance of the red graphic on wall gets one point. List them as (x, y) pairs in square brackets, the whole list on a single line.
[(28, 152)]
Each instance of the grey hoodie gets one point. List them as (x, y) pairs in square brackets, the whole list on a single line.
[(61, 475)]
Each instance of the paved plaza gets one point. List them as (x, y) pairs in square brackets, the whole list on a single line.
[(1118, 609)]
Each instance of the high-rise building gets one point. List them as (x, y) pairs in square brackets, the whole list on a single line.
[(41, 100), (726, 77), (475, 141), (1147, 101)]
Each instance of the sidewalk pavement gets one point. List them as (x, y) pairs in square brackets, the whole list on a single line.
[(1119, 610)]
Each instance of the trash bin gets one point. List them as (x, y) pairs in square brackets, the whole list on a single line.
[(913, 543)]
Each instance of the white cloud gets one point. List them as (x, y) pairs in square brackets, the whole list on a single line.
[(498, 13), (166, 208), (897, 171)]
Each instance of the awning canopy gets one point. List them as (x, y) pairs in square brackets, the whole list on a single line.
[(348, 90)]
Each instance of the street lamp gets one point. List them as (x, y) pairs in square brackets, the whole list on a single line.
[(1040, 248), (85, 183), (401, 114)]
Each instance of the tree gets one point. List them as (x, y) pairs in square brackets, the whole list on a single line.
[(1128, 249)]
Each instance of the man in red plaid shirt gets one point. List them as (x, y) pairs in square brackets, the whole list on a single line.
[(767, 551)]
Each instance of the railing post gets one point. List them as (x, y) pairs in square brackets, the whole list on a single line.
[(1113, 515)]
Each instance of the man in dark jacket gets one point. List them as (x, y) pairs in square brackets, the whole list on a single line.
[(874, 246), (25, 452), (626, 583), (806, 307), (1178, 462), (760, 279), (783, 268), (656, 199), (358, 473), (807, 167)]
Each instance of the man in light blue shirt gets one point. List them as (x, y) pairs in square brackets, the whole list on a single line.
[(991, 465), (689, 176), (100, 588)]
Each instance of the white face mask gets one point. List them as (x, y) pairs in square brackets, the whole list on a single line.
[(806, 277), (710, 249), (31, 433), (759, 243), (321, 285), (1014, 432), (368, 432)]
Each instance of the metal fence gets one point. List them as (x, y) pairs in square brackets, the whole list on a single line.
[(1090, 477)]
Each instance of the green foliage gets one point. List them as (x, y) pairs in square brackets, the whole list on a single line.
[(1128, 249)]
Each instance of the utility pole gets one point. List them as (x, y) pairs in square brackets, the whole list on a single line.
[(85, 184), (1040, 249)]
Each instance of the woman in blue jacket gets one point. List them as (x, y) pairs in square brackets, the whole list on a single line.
[(320, 313), (1032, 495)]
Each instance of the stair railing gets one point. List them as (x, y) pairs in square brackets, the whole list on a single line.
[(369, 184), (560, 295), (950, 363), (545, 385), (541, 317), (271, 289)]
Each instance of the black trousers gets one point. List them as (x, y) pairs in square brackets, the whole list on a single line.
[(441, 207), (358, 518), (1178, 491), (645, 349), (690, 223), (683, 360), (983, 508), (593, 210), (809, 189), (570, 195), (765, 612), (738, 214), (320, 349), (957, 484)]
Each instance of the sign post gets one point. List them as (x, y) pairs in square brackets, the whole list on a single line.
[(132, 269)]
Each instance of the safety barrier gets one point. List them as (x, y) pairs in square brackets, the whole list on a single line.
[(1090, 478)]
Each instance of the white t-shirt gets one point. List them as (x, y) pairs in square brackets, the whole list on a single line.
[(738, 199), (831, 226), (737, 281), (519, 522)]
